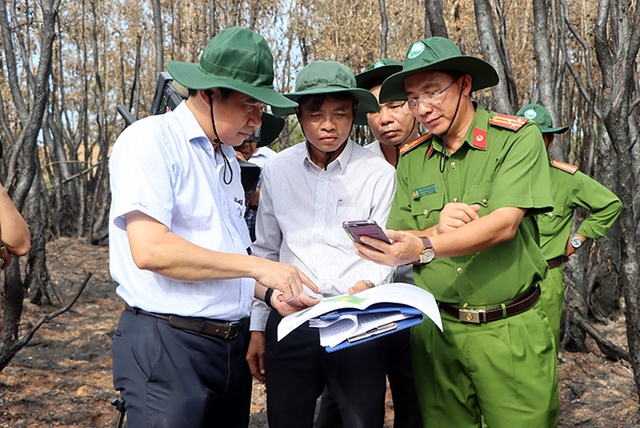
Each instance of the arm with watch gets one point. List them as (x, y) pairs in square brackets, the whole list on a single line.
[(471, 237)]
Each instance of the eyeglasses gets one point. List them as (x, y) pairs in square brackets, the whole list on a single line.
[(429, 98)]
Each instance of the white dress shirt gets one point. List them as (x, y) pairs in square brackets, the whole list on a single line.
[(302, 208), (165, 167), (261, 156)]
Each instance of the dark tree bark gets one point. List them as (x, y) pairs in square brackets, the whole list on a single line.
[(31, 116), (492, 54), (434, 19), (384, 29), (158, 35)]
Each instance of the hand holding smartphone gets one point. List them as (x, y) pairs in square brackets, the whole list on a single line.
[(357, 228)]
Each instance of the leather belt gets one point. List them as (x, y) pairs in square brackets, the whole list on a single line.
[(477, 316), (557, 261), (222, 329)]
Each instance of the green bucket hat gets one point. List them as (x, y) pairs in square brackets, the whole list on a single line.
[(374, 74), (328, 77), (541, 116), (438, 54), (269, 130), (237, 59)]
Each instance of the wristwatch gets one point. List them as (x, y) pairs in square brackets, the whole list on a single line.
[(427, 254), (576, 242)]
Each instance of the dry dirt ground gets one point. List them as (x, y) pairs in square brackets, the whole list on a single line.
[(62, 378)]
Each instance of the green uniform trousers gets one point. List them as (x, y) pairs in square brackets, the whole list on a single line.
[(505, 370), (552, 298)]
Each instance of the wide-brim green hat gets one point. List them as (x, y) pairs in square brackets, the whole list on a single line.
[(437, 54), (270, 129), (375, 74), (237, 59), (541, 116), (329, 77)]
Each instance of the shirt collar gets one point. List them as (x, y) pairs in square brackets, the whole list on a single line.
[(339, 163), (476, 136)]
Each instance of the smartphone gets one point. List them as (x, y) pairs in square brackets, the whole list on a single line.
[(356, 229)]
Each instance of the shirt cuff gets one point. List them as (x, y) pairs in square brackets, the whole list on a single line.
[(259, 315)]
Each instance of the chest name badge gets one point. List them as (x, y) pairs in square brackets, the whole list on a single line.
[(424, 191)]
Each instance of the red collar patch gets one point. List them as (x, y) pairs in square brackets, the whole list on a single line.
[(479, 138)]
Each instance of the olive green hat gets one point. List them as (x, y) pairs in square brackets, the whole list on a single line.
[(374, 74), (541, 116), (269, 130), (437, 54), (329, 77), (237, 59), (377, 72)]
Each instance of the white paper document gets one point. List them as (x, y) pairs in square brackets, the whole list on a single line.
[(348, 326)]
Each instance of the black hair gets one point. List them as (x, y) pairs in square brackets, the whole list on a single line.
[(314, 102), (225, 93)]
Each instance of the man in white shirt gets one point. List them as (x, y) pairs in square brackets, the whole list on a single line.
[(178, 244), (307, 192), (395, 130)]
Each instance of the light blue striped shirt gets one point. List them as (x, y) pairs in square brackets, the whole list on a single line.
[(302, 208), (165, 167)]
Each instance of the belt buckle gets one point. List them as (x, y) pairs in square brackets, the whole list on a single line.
[(232, 331), (474, 316)]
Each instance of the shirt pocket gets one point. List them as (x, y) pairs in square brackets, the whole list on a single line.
[(337, 235), (426, 210), (479, 195)]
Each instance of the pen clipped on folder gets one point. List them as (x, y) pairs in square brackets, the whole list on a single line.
[(373, 332)]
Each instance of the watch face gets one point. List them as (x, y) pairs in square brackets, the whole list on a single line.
[(576, 242), (427, 255)]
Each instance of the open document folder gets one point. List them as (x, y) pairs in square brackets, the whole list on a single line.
[(350, 319)]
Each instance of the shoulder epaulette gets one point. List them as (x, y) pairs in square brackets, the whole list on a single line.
[(513, 123), (564, 166), (406, 148)]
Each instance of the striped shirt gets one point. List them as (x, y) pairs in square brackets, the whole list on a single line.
[(302, 208), (165, 167)]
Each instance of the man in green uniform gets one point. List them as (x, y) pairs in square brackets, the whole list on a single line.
[(464, 214), (570, 189)]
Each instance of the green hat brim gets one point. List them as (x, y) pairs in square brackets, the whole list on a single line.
[(560, 130), (191, 76), (367, 78), (367, 102), (483, 75), (270, 129)]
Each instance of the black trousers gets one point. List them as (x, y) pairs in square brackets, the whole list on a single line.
[(298, 369), (177, 379), (401, 382)]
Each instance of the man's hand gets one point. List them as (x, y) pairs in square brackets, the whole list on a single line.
[(456, 214), (255, 355), (288, 279), (405, 248), (284, 308), (360, 286)]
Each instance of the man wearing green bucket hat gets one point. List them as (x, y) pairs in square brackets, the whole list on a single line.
[(570, 189), (464, 214), (178, 244), (394, 130), (307, 191)]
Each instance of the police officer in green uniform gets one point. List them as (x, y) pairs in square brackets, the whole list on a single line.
[(464, 214), (570, 189)]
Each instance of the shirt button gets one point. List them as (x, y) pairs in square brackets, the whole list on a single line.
[(453, 165), (485, 200), (455, 199), (459, 270), (318, 237), (425, 212)]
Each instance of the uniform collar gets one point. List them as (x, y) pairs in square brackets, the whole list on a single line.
[(476, 136)]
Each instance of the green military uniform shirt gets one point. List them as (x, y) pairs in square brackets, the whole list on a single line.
[(494, 167), (571, 189)]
